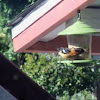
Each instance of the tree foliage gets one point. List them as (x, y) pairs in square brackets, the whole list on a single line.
[(8, 11), (59, 79)]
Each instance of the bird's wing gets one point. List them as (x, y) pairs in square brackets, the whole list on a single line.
[(64, 50), (67, 50)]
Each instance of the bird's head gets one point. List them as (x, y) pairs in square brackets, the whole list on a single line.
[(79, 50), (63, 50)]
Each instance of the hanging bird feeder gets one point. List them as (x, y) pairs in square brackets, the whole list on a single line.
[(79, 35)]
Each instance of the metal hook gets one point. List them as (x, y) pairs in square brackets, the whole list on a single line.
[(79, 15)]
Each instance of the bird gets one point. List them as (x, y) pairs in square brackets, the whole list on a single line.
[(70, 53)]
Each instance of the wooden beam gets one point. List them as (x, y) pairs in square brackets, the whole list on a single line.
[(19, 84), (61, 41)]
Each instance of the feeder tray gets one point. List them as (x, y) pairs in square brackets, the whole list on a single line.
[(77, 63)]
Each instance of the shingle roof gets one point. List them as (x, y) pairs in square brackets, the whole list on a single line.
[(27, 10)]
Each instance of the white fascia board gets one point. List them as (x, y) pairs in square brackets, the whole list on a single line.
[(33, 16)]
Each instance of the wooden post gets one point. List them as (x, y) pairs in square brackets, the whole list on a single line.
[(98, 90), (19, 84)]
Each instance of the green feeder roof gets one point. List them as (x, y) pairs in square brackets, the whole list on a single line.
[(79, 28)]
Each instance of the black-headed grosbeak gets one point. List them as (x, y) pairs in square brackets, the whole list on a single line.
[(69, 53)]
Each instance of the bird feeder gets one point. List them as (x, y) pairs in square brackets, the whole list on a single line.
[(79, 35)]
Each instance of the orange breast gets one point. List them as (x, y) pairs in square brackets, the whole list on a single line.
[(73, 52)]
